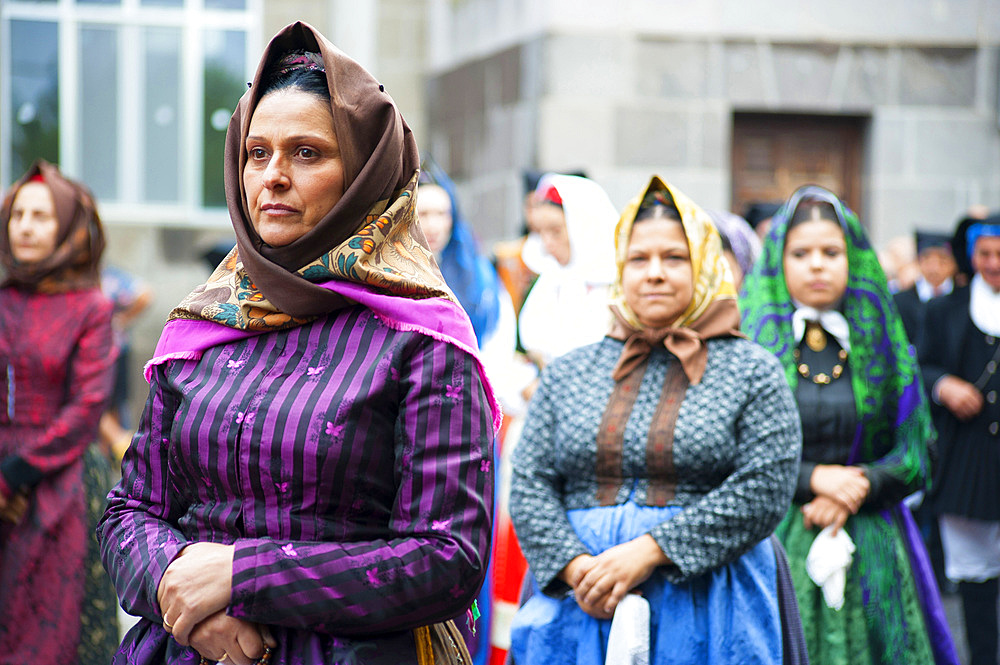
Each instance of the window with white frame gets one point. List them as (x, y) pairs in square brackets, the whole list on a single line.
[(133, 97)]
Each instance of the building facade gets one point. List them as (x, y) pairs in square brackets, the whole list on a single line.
[(891, 104)]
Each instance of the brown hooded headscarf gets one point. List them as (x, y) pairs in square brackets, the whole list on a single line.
[(370, 236), (74, 264)]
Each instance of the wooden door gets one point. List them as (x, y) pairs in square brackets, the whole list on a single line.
[(775, 153)]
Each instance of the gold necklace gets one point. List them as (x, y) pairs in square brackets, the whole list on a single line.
[(815, 336), (821, 378)]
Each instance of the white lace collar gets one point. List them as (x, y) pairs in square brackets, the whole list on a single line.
[(832, 321)]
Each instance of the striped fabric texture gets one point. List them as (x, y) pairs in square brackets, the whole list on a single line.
[(349, 463)]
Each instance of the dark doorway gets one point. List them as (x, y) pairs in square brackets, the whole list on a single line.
[(775, 153)]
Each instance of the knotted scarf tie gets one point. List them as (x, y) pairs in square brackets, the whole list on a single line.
[(687, 343)]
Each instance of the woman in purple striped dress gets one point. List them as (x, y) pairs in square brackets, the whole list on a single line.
[(311, 479)]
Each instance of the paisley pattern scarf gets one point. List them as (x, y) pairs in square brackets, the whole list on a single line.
[(894, 422), (369, 237), (385, 254)]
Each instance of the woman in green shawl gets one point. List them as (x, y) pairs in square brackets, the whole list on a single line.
[(817, 298)]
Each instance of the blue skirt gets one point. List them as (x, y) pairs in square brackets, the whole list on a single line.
[(729, 615)]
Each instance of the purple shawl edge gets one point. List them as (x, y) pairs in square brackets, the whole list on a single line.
[(438, 318), (938, 631)]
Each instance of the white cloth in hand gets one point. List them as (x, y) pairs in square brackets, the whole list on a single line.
[(628, 641), (827, 563)]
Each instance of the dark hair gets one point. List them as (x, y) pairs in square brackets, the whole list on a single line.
[(657, 204), (297, 69), (804, 212), (727, 246), (758, 211), (658, 211)]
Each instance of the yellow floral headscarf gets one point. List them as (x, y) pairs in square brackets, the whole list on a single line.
[(713, 280), (713, 310)]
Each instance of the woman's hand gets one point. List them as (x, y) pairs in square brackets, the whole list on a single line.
[(616, 571), (223, 638), (573, 574), (823, 511), (196, 585), (847, 485), (959, 396), (576, 569), (13, 509)]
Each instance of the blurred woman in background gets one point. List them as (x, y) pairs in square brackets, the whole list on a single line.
[(817, 298), (571, 248), (474, 280), (56, 347), (740, 243)]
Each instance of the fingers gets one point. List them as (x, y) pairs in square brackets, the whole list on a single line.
[(598, 594), (595, 585), (829, 479), (838, 518), (268, 638), (196, 584), (228, 640), (617, 593), (250, 644), (848, 485), (823, 512), (613, 573), (604, 587), (970, 405), (235, 658), (839, 521), (182, 621), (181, 629), (856, 491), (852, 498), (961, 398), (594, 610), (577, 568), (14, 509), (602, 606), (586, 584), (807, 516)]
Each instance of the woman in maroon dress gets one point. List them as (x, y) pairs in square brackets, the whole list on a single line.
[(55, 360)]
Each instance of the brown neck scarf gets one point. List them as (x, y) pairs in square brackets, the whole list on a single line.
[(720, 319), (74, 264), (370, 236)]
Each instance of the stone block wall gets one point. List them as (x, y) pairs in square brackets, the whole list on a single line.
[(653, 86)]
